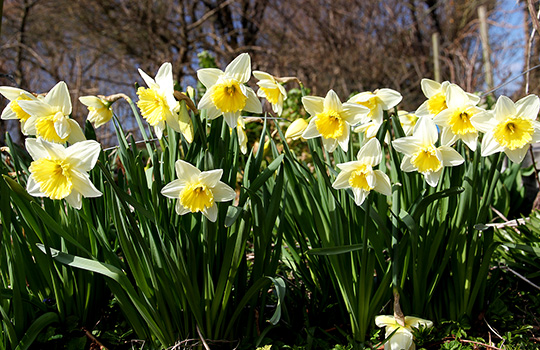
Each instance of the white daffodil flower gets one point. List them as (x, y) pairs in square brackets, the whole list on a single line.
[(158, 105), (377, 101), (422, 155), (408, 121), (242, 136), (62, 173), (226, 93), (99, 111), (403, 338), (49, 117), (270, 89), (360, 176), (436, 98), (13, 110), (332, 119), (455, 120), (510, 128), (197, 191)]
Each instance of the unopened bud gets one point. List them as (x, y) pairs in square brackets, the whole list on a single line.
[(296, 129)]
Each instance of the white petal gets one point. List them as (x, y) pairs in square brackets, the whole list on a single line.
[(450, 156), (456, 97), (209, 76), (430, 87), (406, 165), (210, 178), (59, 97), (75, 134), (74, 199), (232, 118), (313, 104), (448, 138), (490, 145), (528, 106), (432, 178), (253, 104), (353, 113), (382, 183), (8, 113), (62, 126), (164, 77), (407, 145), (342, 180), (91, 101), (240, 68), (470, 139), (173, 188), (36, 149), (84, 155), (180, 209), (389, 97), (443, 117), (147, 79), (263, 75), (504, 108), (401, 340), (54, 150), (330, 144), (426, 130), (32, 187), (186, 171), (484, 121), (36, 108), (12, 93), (311, 130), (332, 102), (159, 128), (210, 213), (416, 322), (423, 110), (370, 153), (83, 185), (223, 193), (359, 195), (343, 140), (517, 155)]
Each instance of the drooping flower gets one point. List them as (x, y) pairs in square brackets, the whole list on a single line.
[(408, 121), (360, 176), (197, 191), (62, 173), (157, 103), (332, 119), (455, 120), (510, 128), (270, 89), (226, 93), (436, 98), (403, 338), (422, 155), (296, 129), (49, 117), (13, 110), (377, 101), (99, 111)]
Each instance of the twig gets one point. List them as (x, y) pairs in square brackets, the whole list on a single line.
[(478, 343), (202, 339), (520, 276), (93, 339)]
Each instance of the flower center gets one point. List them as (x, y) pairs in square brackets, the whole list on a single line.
[(330, 124), (359, 178), (228, 96), (19, 112), (460, 122), (272, 95), (514, 133), (153, 105), (425, 160), (196, 197), (437, 103), (53, 177), (45, 128)]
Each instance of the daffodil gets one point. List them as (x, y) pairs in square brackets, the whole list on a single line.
[(408, 121), (296, 129), (510, 128), (99, 111), (455, 120), (377, 101), (49, 117), (197, 191), (332, 119), (270, 89), (403, 338), (360, 176), (422, 155), (13, 110), (436, 98), (158, 105), (62, 173), (226, 93)]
